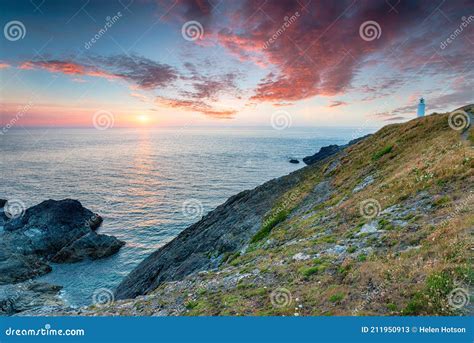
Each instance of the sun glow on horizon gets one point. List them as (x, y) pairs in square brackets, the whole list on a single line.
[(143, 118)]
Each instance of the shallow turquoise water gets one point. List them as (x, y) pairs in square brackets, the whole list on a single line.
[(138, 180)]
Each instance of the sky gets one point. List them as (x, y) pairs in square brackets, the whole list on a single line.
[(132, 63)]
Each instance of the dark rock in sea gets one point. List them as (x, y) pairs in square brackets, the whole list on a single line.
[(18, 267), (330, 150), (323, 153), (46, 228), (294, 161), (36, 237), (3, 216), (27, 296), (91, 246)]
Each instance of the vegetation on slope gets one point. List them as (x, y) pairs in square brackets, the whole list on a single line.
[(379, 229)]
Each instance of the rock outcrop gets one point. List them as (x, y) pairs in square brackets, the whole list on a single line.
[(90, 246), (323, 153), (327, 151), (59, 231), (29, 296), (3, 217)]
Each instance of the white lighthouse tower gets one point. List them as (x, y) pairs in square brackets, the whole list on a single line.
[(421, 108)]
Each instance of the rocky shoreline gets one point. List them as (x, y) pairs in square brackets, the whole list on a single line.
[(53, 231), (327, 151)]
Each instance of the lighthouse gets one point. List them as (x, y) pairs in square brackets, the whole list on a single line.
[(421, 108)]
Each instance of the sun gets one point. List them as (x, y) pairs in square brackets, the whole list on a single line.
[(143, 118)]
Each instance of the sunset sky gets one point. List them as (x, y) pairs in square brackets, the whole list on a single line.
[(311, 59)]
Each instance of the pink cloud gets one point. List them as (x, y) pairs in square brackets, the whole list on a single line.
[(197, 106)]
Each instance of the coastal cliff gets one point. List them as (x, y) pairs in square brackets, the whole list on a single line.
[(379, 227)]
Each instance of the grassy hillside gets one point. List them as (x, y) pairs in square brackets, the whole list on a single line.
[(382, 228)]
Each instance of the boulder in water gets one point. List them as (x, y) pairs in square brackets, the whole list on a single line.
[(59, 231), (91, 246)]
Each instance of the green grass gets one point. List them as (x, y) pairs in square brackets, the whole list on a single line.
[(307, 272), (362, 258), (415, 305), (191, 304), (442, 201), (326, 239), (335, 298), (439, 284), (388, 149), (432, 299), (392, 307), (229, 257), (386, 225), (351, 249), (319, 265), (268, 225)]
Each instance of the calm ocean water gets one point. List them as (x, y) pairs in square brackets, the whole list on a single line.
[(138, 180)]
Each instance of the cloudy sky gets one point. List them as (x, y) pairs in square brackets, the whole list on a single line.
[(222, 62)]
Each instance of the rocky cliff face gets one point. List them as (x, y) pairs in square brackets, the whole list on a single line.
[(206, 244)]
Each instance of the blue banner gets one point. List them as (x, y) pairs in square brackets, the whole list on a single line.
[(236, 329)]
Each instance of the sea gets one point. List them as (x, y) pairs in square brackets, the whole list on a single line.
[(147, 184)]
